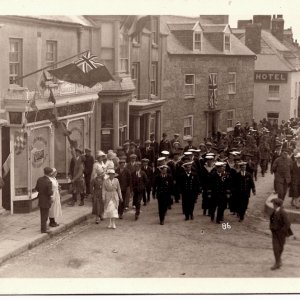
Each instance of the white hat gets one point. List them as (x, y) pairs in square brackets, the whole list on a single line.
[(188, 153), (161, 158), (219, 163), (165, 152), (211, 154), (187, 164), (163, 166), (110, 171), (192, 150), (297, 155), (209, 157), (100, 153)]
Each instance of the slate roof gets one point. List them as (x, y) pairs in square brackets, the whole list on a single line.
[(174, 46), (182, 26)]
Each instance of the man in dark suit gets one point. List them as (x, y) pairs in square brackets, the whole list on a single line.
[(88, 169), (45, 192), (280, 228), (139, 183), (244, 184), (189, 185), (162, 190), (164, 143), (154, 145), (149, 172), (148, 152)]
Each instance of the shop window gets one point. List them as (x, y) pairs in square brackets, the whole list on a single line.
[(274, 92), (197, 41), (230, 118), (189, 85), (188, 126), (273, 118), (232, 83), (107, 115), (15, 60)]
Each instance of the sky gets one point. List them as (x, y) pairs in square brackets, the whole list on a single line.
[(236, 9)]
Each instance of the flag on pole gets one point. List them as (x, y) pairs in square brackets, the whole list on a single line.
[(6, 166), (212, 90), (86, 71), (51, 97)]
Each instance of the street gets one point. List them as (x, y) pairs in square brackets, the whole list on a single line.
[(179, 249)]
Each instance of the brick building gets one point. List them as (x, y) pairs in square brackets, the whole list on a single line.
[(202, 53), (277, 67)]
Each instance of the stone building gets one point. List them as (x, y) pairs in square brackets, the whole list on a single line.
[(207, 76), (277, 69)]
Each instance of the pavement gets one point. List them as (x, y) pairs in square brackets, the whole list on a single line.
[(21, 232)]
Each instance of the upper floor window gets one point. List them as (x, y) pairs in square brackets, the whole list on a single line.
[(189, 85), (154, 31), (135, 69), (51, 53), (154, 82), (15, 60), (274, 92), (124, 53), (227, 42), (197, 41), (230, 118), (188, 123), (232, 83)]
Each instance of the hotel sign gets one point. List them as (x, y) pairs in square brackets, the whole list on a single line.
[(279, 77)]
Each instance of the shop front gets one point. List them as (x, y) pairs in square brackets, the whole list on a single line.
[(36, 140)]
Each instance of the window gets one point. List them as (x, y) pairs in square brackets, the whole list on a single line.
[(230, 118), (189, 85), (274, 92), (227, 42), (197, 41), (107, 115), (188, 126), (232, 83), (15, 60), (124, 52), (51, 53), (154, 79), (154, 31), (273, 118), (152, 124), (135, 74)]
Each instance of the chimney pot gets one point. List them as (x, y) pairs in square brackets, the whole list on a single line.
[(253, 37)]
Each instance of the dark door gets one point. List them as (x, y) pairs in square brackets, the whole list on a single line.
[(5, 155)]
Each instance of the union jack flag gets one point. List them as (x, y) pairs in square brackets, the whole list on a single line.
[(88, 62), (212, 90)]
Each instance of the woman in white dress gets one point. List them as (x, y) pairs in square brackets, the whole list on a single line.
[(111, 195), (55, 213)]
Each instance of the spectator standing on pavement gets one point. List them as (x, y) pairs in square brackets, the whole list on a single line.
[(280, 228), (162, 190), (282, 168), (96, 191), (112, 196), (164, 144), (77, 178), (295, 182), (148, 169), (88, 169), (45, 192), (55, 212)]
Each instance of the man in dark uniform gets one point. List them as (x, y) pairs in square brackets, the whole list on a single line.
[(149, 172), (162, 190), (88, 169), (154, 145), (148, 152), (45, 192), (190, 187), (221, 191), (124, 178), (139, 183), (164, 144), (280, 228), (244, 184)]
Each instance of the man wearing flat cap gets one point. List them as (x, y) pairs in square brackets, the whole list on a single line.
[(280, 228), (162, 190), (147, 168), (164, 144), (45, 192), (148, 152)]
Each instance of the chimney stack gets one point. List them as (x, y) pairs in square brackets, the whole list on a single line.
[(278, 27), (264, 20), (253, 37), (243, 23)]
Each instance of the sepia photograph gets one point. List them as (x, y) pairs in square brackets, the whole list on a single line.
[(149, 147)]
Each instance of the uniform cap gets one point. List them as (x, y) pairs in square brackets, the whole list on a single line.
[(163, 167), (242, 163), (209, 157), (219, 164), (187, 164), (165, 152), (188, 153), (133, 155), (208, 143), (161, 158), (145, 160)]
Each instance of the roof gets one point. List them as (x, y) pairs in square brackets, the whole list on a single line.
[(166, 20), (181, 26), (265, 62), (67, 19), (211, 28)]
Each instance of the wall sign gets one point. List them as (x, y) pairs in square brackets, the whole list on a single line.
[(279, 77), (38, 152)]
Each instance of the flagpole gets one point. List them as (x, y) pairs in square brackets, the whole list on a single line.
[(52, 65)]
